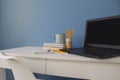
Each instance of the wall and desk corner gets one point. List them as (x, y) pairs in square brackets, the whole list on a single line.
[(68, 65), (24, 22)]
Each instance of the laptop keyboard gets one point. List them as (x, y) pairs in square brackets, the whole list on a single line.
[(99, 53), (103, 53)]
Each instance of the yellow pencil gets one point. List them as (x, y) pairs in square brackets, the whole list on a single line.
[(59, 51)]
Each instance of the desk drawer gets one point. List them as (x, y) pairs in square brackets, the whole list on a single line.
[(86, 70), (36, 65), (64, 68)]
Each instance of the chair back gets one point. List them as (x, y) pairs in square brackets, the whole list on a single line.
[(18, 67)]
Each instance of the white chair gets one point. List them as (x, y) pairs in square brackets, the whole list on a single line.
[(18, 67)]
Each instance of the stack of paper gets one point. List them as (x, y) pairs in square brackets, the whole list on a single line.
[(53, 46)]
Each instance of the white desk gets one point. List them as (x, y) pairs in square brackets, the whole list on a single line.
[(66, 65)]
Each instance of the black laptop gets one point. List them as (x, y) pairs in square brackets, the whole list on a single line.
[(102, 39)]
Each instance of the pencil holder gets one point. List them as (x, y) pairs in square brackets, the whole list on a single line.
[(68, 43), (69, 36)]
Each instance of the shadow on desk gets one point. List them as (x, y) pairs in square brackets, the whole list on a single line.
[(9, 75), (51, 77)]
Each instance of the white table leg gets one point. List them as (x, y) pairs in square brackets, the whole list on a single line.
[(2, 74)]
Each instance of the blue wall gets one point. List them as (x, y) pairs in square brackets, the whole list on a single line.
[(33, 22)]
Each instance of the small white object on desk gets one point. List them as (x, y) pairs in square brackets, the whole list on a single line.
[(44, 51)]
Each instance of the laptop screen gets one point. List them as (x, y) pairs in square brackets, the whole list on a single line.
[(103, 32)]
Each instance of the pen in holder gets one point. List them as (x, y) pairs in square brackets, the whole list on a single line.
[(69, 36)]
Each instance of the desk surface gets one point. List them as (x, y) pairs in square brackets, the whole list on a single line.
[(30, 52), (79, 66)]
